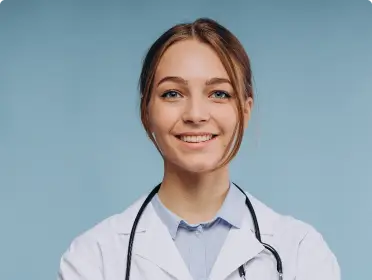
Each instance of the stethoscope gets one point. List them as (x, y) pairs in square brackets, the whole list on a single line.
[(279, 267)]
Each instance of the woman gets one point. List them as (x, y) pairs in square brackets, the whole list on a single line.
[(196, 101)]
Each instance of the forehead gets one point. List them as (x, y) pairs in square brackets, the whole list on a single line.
[(190, 59)]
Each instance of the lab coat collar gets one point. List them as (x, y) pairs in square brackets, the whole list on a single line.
[(154, 243), (240, 247)]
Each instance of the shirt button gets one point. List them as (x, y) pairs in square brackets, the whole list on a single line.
[(199, 230)]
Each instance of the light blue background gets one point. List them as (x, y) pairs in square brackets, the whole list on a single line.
[(73, 152)]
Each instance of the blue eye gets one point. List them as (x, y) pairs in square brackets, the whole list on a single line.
[(171, 94), (220, 94)]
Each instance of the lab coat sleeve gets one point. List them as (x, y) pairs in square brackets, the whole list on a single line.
[(315, 260), (82, 260)]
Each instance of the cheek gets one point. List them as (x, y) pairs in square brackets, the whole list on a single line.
[(161, 121), (227, 119), (158, 124), (155, 117)]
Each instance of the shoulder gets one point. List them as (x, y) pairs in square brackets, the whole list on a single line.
[(115, 224), (86, 253), (274, 223), (304, 251)]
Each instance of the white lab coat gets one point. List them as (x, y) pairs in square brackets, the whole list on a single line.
[(100, 253)]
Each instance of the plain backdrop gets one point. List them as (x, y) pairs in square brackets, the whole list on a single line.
[(73, 151)]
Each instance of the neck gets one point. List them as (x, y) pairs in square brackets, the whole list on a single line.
[(195, 197)]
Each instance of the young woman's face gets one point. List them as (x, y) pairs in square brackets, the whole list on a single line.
[(192, 111)]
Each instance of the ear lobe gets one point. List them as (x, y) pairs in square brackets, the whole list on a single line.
[(248, 104)]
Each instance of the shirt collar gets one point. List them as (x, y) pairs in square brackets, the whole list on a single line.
[(170, 219), (231, 211)]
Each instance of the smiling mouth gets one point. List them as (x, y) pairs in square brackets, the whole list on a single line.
[(196, 138)]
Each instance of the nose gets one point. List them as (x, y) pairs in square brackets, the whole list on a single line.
[(196, 111)]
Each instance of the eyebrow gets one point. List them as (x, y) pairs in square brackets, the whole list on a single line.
[(179, 80)]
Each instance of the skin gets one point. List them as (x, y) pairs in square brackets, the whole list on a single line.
[(192, 94)]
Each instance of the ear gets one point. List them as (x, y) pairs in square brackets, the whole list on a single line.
[(247, 109)]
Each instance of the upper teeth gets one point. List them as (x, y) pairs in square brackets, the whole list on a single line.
[(196, 139)]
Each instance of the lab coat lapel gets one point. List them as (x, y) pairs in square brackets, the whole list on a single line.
[(240, 246), (157, 246)]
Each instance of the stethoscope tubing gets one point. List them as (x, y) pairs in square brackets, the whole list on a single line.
[(279, 265)]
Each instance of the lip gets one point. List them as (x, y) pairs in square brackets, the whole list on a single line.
[(198, 145), (194, 134)]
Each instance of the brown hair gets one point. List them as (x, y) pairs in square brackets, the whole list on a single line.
[(232, 55)]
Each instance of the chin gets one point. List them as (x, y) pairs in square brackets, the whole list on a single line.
[(193, 163), (198, 166)]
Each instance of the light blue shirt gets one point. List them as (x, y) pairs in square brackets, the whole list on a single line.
[(200, 244)]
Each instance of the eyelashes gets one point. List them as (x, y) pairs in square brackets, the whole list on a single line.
[(171, 94), (220, 94), (217, 94)]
